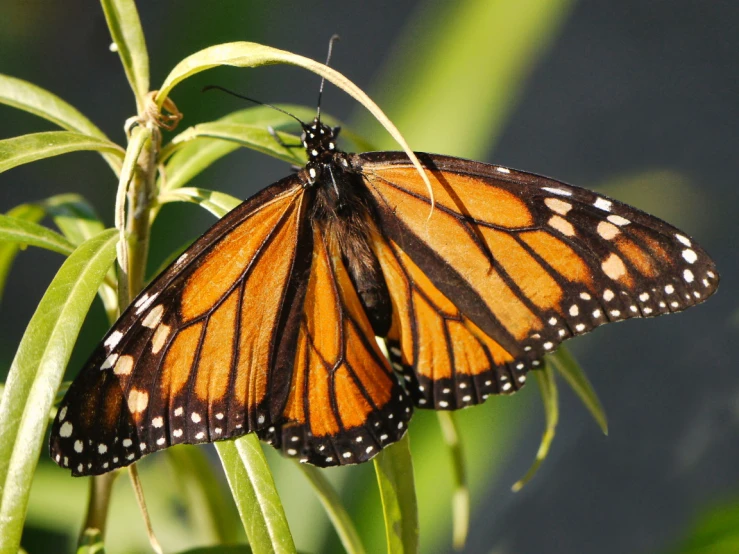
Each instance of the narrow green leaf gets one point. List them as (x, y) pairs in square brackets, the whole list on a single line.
[(128, 36), (78, 221), (568, 367), (550, 399), (251, 136), (28, 233), (335, 509), (461, 498), (185, 160), (255, 494), (33, 99), (251, 54), (9, 250), (74, 216), (37, 371), (394, 468), (37, 146), (217, 203)]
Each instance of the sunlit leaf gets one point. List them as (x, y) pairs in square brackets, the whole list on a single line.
[(461, 494), (394, 468), (251, 136), (26, 232), (37, 146), (37, 371), (335, 509), (128, 37), (186, 159), (255, 494), (251, 54), (217, 203), (550, 399), (568, 367), (33, 99)]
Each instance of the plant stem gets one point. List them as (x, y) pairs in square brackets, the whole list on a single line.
[(140, 193), (97, 503)]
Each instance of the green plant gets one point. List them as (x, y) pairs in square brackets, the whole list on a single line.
[(151, 173)]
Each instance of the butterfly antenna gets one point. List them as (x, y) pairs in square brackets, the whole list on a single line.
[(237, 95), (331, 41)]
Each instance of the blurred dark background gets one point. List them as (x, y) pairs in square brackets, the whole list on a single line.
[(638, 99)]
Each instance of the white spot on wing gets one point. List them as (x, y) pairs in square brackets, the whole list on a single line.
[(690, 256), (558, 206), (502, 169), (137, 400), (602, 204), (618, 220), (113, 340), (153, 318), (560, 192), (124, 365), (66, 430), (683, 239)]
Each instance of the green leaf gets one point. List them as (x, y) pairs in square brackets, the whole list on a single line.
[(255, 494), (550, 399), (9, 250), (335, 509), (251, 136), (217, 203), (33, 99), (74, 216), (568, 367), (29, 233), (185, 160), (461, 498), (251, 54), (37, 146), (37, 371), (394, 468), (209, 508), (125, 29), (78, 221)]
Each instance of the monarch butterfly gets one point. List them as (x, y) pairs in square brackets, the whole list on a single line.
[(268, 322)]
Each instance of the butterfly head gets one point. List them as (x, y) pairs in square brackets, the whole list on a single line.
[(319, 141)]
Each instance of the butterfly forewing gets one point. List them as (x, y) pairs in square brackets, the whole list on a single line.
[(190, 360), (527, 260)]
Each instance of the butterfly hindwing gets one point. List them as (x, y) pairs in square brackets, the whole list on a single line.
[(345, 402), (189, 361), (527, 260)]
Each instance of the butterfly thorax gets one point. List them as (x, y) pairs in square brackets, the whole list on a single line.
[(342, 211)]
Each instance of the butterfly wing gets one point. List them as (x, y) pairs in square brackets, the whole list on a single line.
[(345, 403), (192, 359), (525, 261)]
